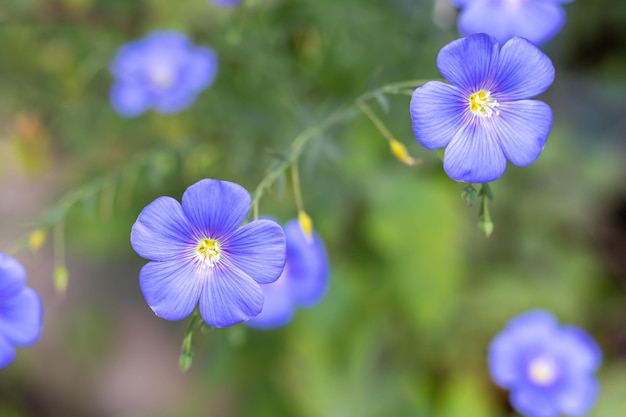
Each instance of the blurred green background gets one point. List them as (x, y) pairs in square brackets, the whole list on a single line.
[(417, 292)]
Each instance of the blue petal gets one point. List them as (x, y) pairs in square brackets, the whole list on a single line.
[(7, 352), (437, 113), (536, 21), (21, 317), (134, 59), (12, 276), (307, 266), (216, 208), (258, 249), (579, 396), (524, 71), (522, 336), (162, 231), (227, 3), (197, 72), (579, 350), (470, 63), (130, 99), (474, 154), (278, 305), (522, 128), (229, 297), (531, 401), (172, 288)]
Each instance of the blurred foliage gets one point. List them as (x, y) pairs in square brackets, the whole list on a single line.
[(417, 292)]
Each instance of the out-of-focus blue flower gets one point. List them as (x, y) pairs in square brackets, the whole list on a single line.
[(227, 3), (198, 252), (483, 116), (20, 310), (163, 71), (535, 20), (304, 280), (548, 368)]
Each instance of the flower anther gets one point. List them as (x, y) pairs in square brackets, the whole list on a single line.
[(483, 104)]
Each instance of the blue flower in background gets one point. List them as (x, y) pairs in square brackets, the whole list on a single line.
[(535, 20), (548, 368), (483, 116), (198, 252), (304, 280), (227, 3), (164, 71), (20, 310)]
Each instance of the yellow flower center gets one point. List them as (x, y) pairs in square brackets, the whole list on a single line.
[(542, 371), (209, 251), (482, 104)]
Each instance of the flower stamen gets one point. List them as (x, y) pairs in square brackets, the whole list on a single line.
[(542, 370), (209, 251), (482, 104)]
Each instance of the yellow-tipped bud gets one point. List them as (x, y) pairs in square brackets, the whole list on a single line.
[(400, 152), (306, 224), (61, 278), (36, 240)]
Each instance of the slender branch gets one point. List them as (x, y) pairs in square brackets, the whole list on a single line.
[(300, 141)]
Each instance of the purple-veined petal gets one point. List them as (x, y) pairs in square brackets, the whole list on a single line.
[(229, 297), (172, 288), (470, 63), (579, 396), (258, 249), (524, 71), (278, 305), (130, 99), (307, 266), (437, 113), (216, 208), (21, 317), (522, 128), (12, 276), (7, 352), (531, 401), (162, 231), (474, 155)]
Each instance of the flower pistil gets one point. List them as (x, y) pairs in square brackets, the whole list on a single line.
[(482, 104), (209, 251)]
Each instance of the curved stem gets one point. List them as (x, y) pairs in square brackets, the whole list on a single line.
[(298, 144)]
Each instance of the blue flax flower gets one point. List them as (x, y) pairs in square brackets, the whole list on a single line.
[(227, 3), (198, 252), (304, 280), (20, 310), (548, 368), (535, 20), (483, 116), (164, 71)]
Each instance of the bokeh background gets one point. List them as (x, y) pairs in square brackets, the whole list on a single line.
[(417, 291)]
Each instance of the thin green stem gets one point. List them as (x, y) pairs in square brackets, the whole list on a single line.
[(367, 110), (295, 182), (300, 141)]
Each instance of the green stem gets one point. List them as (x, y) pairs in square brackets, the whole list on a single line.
[(300, 141)]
